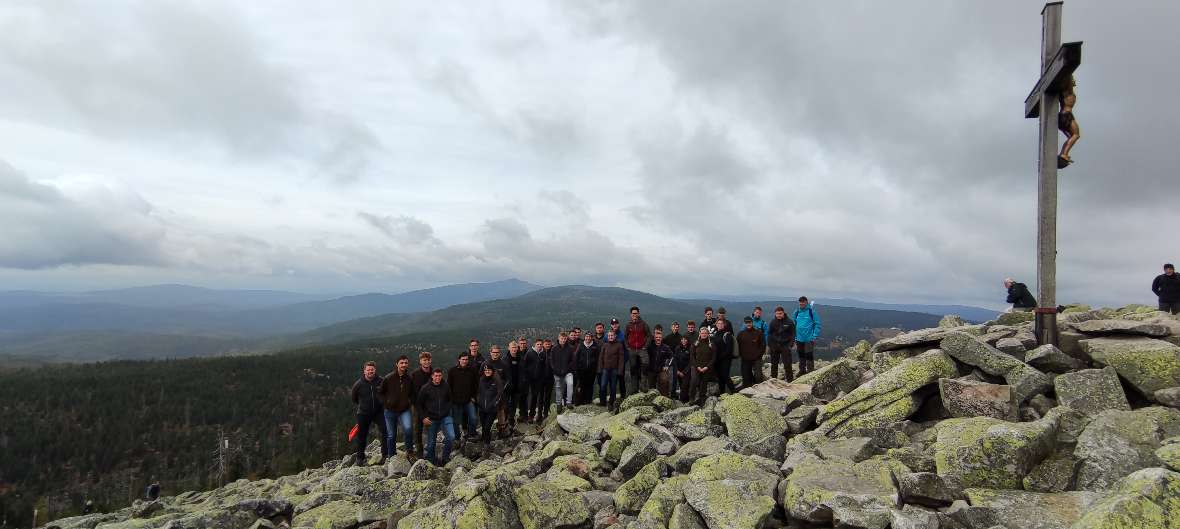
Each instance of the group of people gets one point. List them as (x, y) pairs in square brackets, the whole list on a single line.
[(479, 395), (1166, 287)]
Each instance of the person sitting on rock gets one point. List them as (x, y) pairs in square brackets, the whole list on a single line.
[(1018, 295)]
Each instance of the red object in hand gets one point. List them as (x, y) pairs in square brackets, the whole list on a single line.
[(352, 433)]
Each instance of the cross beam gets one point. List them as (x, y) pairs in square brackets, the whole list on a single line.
[(1055, 78)]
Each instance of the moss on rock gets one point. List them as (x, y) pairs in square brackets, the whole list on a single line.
[(991, 453)]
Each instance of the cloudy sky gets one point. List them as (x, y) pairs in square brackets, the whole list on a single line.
[(866, 149)]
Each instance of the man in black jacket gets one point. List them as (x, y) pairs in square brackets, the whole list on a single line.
[(561, 363), (464, 382), (515, 391), (1167, 287), (1018, 295), (420, 378), (434, 399), (502, 370), (369, 409), (725, 347), (586, 364), (531, 383), (397, 392), (781, 337)]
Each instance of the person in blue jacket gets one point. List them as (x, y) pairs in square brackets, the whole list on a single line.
[(807, 328)]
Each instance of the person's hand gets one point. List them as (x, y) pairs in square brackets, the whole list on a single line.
[(426, 421)]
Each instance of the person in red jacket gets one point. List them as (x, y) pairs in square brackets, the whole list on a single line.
[(637, 338)]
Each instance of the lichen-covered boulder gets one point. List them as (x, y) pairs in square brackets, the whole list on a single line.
[(951, 321), (746, 421), (1091, 391), (684, 517), (1147, 364), (1024, 379), (1131, 327), (801, 419), (1168, 397), (541, 505), (339, 514), (641, 452), (882, 361), (630, 497), (928, 489), (991, 453), (832, 379), (1056, 473), (1012, 346), (888, 398), (1145, 499), (1033, 510), (840, 492), (1117, 443), (1169, 454), (728, 465), (688, 454), (663, 500), (476, 503), (922, 337), (858, 352), (729, 503), (1014, 318), (855, 449), (967, 398), (635, 400), (1050, 359)]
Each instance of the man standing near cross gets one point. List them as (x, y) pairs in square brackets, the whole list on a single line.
[(1053, 89)]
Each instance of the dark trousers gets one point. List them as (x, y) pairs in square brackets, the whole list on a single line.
[(621, 381), (584, 387), (684, 385), (485, 421), (546, 395), (781, 353), (363, 421), (1170, 307), (749, 376), (806, 352), (721, 370), (608, 379), (699, 385), (536, 397)]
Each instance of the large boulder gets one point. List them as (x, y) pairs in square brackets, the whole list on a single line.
[(1145, 499), (542, 505), (927, 488), (1032, 510), (1136, 328), (636, 456), (991, 453), (684, 517), (1117, 443), (631, 496), (1169, 454), (831, 380), (1146, 364), (1050, 359), (801, 419), (1091, 391), (1168, 397), (662, 501), (967, 398), (732, 491), (841, 493), (476, 503), (688, 454), (887, 398), (1024, 379), (882, 361), (746, 421), (1057, 473), (918, 338)]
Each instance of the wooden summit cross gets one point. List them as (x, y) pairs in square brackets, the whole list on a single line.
[(1058, 62)]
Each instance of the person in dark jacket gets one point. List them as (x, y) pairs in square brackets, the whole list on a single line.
[(683, 358), (663, 362), (502, 370), (751, 345), (514, 389), (1167, 287), (434, 399), (586, 364), (781, 337), (464, 382), (610, 364), (546, 380), (534, 369), (397, 393), (369, 410), (621, 335), (703, 358), (708, 321), (489, 401), (673, 338), (561, 363), (420, 378), (725, 352), (474, 357), (1018, 295)]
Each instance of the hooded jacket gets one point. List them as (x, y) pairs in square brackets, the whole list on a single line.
[(397, 391), (763, 327), (610, 356), (1167, 288), (1019, 297), (366, 396), (807, 325)]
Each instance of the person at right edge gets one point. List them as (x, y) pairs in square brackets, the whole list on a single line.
[(807, 329), (1167, 287)]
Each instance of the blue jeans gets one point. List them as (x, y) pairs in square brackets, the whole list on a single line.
[(609, 377), (393, 420), (465, 414), (448, 429)]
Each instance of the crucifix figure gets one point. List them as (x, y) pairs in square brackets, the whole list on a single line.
[(1052, 100)]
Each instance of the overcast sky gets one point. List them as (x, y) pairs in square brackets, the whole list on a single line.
[(865, 149)]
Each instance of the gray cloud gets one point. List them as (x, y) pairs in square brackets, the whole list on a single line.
[(403, 229)]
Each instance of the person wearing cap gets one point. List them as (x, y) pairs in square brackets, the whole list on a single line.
[(1018, 295), (807, 328), (1167, 287), (751, 344)]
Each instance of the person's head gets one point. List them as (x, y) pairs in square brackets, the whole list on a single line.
[(802, 302), (614, 324), (721, 324), (676, 327), (424, 360), (538, 344), (704, 334), (691, 327), (463, 360), (599, 329), (522, 343), (513, 348), (780, 312), (758, 312), (721, 313), (634, 313), (370, 369), (708, 313), (749, 322), (658, 336), (575, 334), (1008, 282), (547, 344), (610, 335), (488, 371), (563, 337), (403, 364), (684, 341), (495, 352), (587, 339), (473, 347), (1169, 269), (436, 377)]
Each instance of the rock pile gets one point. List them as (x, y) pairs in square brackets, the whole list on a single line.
[(961, 426)]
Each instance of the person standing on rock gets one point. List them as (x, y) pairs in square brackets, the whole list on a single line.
[(434, 399), (673, 338), (1167, 287), (682, 354), (663, 361), (561, 363), (703, 353), (586, 364), (726, 351), (751, 344), (807, 329), (621, 336), (610, 364), (420, 379), (1018, 295), (781, 337), (369, 410), (534, 361), (397, 392), (463, 380), (489, 400), (638, 338), (515, 391), (546, 379), (501, 368)]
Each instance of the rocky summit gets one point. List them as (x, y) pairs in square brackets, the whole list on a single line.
[(961, 426)]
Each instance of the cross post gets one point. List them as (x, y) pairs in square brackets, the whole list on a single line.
[(1058, 63)]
